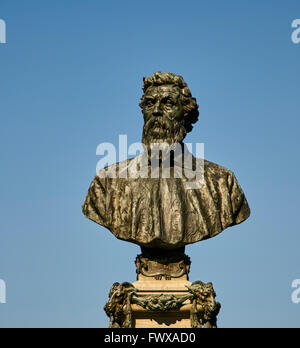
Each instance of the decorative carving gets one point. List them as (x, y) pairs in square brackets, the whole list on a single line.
[(203, 295), (160, 303), (118, 308), (158, 264), (204, 309)]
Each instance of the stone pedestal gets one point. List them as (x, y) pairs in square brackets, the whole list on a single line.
[(149, 286), (162, 296)]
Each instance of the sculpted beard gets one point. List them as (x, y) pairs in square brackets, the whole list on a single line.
[(159, 130)]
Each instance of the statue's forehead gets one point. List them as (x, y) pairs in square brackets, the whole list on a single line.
[(164, 90)]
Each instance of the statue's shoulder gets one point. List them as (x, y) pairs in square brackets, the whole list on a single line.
[(115, 170), (219, 175), (212, 167), (216, 172)]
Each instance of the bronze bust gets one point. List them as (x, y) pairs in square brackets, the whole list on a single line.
[(161, 212)]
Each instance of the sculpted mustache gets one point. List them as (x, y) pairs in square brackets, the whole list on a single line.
[(162, 123)]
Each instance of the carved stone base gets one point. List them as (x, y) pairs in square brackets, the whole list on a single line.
[(162, 298), (174, 291)]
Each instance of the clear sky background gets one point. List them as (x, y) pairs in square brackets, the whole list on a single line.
[(71, 78)]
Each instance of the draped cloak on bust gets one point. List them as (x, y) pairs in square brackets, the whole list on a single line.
[(164, 212)]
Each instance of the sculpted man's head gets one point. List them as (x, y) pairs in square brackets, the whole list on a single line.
[(168, 107)]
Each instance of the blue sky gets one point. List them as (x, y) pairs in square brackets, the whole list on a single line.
[(71, 78)]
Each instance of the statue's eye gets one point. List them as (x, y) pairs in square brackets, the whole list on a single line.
[(149, 102), (168, 102)]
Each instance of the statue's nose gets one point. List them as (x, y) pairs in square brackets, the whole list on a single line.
[(157, 110)]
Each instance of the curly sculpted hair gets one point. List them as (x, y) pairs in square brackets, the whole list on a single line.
[(189, 103)]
